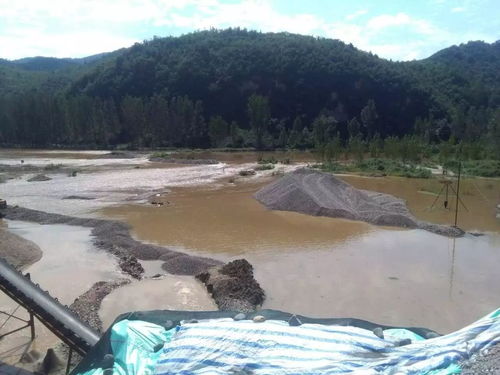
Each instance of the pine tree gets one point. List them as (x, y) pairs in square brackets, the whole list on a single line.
[(369, 117), (259, 115)]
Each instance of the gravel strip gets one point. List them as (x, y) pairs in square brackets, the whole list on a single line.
[(87, 306)]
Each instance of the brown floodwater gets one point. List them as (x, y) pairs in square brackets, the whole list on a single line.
[(330, 267), (478, 195)]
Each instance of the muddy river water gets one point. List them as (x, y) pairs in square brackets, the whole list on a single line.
[(307, 265), (329, 267)]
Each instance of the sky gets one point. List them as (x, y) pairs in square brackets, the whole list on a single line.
[(392, 29)]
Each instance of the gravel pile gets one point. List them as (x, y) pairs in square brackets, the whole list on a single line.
[(322, 194), (483, 364), (233, 286), (39, 177)]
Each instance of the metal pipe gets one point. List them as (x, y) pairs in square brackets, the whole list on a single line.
[(56, 317)]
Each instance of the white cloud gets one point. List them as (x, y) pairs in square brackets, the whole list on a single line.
[(416, 38), (30, 42), (107, 19), (115, 11), (254, 14), (356, 14), (458, 9), (400, 19), (81, 27)]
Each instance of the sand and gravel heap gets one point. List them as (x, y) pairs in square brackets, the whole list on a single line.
[(233, 286), (482, 364), (18, 251), (322, 194)]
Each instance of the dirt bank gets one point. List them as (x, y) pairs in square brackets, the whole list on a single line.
[(114, 237), (18, 251), (321, 194)]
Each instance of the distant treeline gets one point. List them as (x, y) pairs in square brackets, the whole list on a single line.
[(39, 120)]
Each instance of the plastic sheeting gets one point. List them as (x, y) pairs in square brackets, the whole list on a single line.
[(136, 346), (224, 346)]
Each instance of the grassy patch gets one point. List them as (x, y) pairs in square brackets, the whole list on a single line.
[(379, 167), (175, 155), (481, 168), (264, 167), (271, 160)]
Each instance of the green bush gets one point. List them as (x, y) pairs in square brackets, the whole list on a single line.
[(247, 173), (481, 168), (264, 167), (271, 160), (379, 166)]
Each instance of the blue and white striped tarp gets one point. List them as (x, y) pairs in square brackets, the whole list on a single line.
[(224, 346)]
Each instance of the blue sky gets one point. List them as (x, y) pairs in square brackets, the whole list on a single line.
[(393, 29)]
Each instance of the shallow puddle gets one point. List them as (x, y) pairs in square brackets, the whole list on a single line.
[(167, 293), (69, 266)]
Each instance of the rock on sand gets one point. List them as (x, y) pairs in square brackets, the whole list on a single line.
[(322, 194), (18, 251), (233, 286), (39, 177)]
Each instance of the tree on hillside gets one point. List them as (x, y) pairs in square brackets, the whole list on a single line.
[(376, 146), (324, 128), (369, 117), (354, 128), (198, 130), (218, 130), (133, 118), (295, 134), (258, 115)]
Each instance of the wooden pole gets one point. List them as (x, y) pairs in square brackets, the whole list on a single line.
[(458, 191)]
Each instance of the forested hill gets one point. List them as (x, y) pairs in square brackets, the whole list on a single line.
[(243, 88), (300, 75)]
